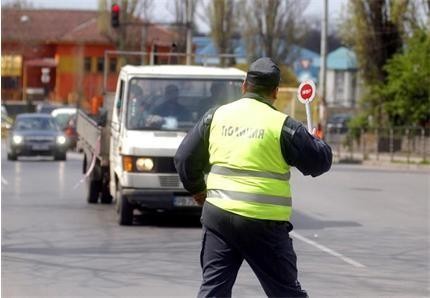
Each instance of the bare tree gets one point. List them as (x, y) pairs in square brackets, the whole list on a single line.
[(271, 27), (222, 24), (17, 4), (181, 20), (145, 9), (416, 16)]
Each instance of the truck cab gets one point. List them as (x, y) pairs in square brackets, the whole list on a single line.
[(153, 108)]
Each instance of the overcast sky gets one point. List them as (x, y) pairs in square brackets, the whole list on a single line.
[(163, 9)]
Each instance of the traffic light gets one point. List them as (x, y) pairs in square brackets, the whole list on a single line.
[(114, 15)]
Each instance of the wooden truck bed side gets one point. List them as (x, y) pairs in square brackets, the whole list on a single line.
[(88, 131)]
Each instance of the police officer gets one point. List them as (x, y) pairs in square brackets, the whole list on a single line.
[(247, 147)]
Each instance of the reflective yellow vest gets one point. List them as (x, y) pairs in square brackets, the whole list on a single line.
[(248, 175)]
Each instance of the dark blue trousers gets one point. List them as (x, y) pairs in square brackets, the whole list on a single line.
[(228, 239)]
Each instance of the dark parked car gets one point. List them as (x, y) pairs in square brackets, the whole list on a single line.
[(36, 134), (338, 123)]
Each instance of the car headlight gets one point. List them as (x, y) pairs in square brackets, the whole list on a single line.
[(17, 139), (144, 164), (61, 140)]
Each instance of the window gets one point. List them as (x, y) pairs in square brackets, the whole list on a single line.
[(9, 82), (87, 64), (175, 104), (339, 81), (120, 99), (11, 65), (112, 64), (100, 64)]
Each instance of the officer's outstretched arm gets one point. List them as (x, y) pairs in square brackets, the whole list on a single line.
[(300, 149)]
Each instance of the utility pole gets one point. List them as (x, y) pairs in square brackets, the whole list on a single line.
[(189, 32), (143, 41), (323, 67)]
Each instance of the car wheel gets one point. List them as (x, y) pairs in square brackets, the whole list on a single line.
[(12, 156), (93, 190), (124, 209), (60, 156)]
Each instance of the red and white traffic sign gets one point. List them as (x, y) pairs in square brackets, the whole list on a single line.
[(306, 92)]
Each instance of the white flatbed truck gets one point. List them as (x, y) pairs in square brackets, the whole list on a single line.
[(129, 147)]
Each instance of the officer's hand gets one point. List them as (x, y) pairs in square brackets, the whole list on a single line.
[(315, 133), (200, 197)]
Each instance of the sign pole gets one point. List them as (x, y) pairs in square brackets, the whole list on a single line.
[(305, 94), (309, 116)]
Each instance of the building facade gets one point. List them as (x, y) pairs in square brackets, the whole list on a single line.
[(343, 82), (60, 54)]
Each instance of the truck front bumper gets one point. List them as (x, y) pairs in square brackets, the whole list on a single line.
[(165, 199)]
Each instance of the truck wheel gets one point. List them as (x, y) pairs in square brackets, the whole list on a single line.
[(93, 191), (93, 185), (84, 164), (124, 209), (105, 198)]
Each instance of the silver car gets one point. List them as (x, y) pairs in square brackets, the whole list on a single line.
[(36, 135)]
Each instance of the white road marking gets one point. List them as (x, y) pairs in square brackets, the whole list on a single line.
[(74, 155), (4, 181), (328, 250), (82, 180)]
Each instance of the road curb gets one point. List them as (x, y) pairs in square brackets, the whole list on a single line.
[(385, 165)]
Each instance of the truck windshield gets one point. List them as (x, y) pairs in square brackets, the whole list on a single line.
[(175, 104)]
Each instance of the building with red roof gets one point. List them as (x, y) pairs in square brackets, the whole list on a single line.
[(61, 53)]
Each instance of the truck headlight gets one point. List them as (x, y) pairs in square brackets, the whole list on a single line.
[(17, 139), (144, 164), (61, 140)]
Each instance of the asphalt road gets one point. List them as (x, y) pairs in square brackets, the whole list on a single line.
[(358, 233)]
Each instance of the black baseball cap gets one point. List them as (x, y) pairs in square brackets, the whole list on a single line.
[(264, 72)]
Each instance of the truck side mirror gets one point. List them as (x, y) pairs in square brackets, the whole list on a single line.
[(118, 106), (102, 120)]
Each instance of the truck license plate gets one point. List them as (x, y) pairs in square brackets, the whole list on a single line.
[(40, 147), (185, 201)]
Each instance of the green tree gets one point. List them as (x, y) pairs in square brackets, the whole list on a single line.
[(407, 91), (375, 30)]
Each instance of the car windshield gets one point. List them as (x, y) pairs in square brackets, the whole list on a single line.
[(175, 104), (35, 123)]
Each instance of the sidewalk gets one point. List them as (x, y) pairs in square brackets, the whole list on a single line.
[(383, 161)]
